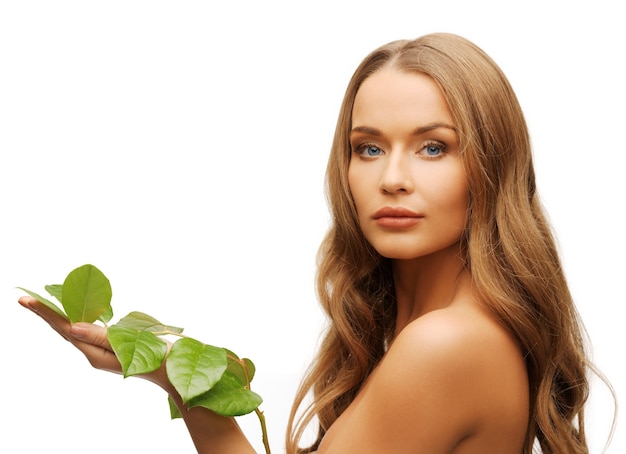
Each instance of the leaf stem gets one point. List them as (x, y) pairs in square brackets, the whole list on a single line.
[(266, 442), (259, 413)]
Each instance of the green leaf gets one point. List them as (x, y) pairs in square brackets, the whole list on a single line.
[(138, 351), (106, 315), (86, 294), (228, 398), (46, 302), (251, 368), (193, 367), (174, 411), (141, 321), (236, 368), (243, 369), (55, 290), (231, 353)]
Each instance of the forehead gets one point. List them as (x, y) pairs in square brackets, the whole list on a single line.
[(393, 97)]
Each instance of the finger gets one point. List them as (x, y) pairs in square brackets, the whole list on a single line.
[(58, 323), (88, 338)]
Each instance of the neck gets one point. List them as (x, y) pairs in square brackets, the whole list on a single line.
[(426, 283)]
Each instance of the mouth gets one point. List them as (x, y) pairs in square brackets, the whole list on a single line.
[(396, 217)]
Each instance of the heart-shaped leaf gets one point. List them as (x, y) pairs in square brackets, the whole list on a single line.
[(193, 367), (86, 294), (228, 398), (138, 351)]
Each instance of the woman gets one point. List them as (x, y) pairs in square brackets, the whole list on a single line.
[(452, 329)]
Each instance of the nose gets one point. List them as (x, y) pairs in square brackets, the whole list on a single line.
[(396, 175)]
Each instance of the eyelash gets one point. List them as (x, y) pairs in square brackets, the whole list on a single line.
[(362, 148), (435, 144)]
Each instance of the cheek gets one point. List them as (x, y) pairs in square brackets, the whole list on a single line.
[(459, 199), (457, 194), (451, 194), (355, 185)]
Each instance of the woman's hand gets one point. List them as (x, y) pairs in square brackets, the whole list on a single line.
[(209, 431), (90, 339)]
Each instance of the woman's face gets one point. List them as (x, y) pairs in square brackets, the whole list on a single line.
[(406, 176)]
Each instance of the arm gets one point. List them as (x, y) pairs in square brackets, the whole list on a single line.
[(211, 433)]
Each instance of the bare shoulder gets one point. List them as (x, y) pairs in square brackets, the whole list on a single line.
[(473, 370), (459, 343), (453, 381), (461, 335)]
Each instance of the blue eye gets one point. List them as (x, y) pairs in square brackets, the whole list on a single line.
[(371, 150), (433, 150)]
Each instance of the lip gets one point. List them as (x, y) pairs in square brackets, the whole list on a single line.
[(396, 217)]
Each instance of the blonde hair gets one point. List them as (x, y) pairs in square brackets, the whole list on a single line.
[(508, 246)]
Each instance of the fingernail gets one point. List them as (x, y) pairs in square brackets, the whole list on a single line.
[(78, 331)]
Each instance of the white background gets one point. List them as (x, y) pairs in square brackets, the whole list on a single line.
[(181, 146)]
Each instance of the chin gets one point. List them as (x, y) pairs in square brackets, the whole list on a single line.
[(406, 252), (400, 254)]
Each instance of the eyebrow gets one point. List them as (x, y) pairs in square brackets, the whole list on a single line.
[(417, 131)]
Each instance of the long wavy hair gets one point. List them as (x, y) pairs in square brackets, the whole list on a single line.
[(508, 247)]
